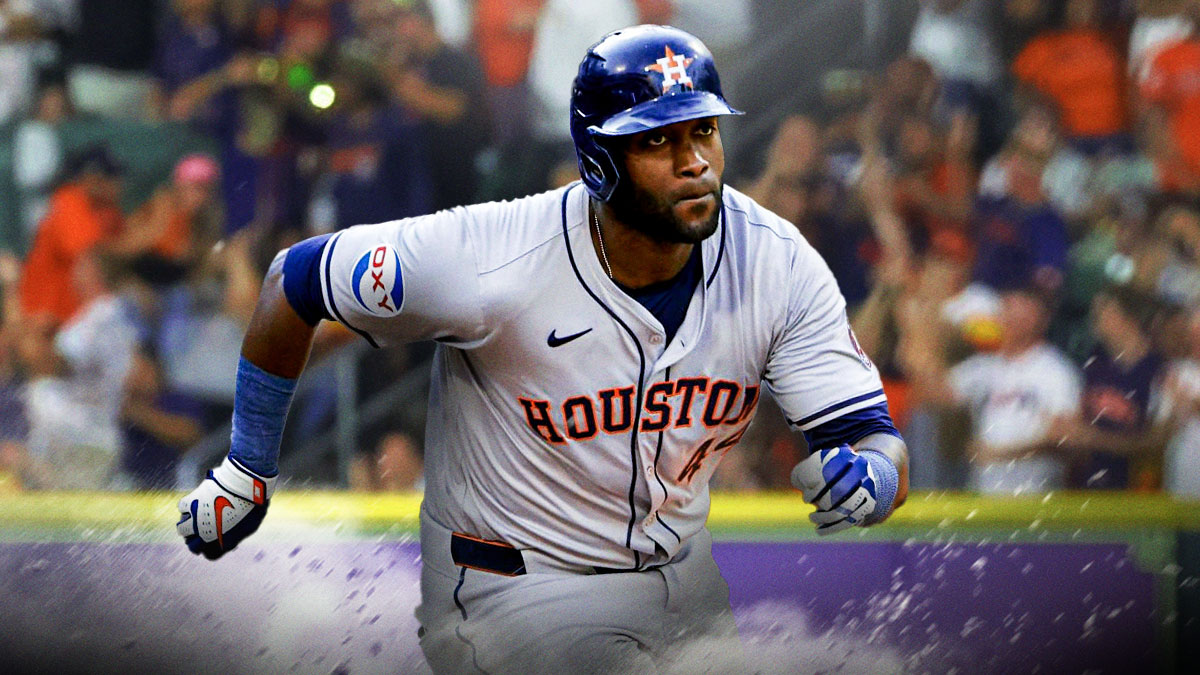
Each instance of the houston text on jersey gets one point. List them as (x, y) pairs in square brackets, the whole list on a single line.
[(677, 403)]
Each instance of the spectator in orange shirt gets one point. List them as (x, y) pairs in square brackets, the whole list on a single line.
[(934, 185), (1079, 69), (504, 37), (1171, 92), (83, 213)]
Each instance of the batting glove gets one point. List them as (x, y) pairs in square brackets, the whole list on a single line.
[(841, 484), (227, 507)]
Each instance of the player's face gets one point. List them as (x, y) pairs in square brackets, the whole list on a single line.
[(674, 189)]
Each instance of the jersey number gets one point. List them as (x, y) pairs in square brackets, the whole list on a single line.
[(709, 448)]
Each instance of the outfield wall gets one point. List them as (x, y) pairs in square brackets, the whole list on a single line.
[(1067, 583)]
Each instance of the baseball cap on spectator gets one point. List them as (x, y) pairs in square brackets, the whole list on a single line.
[(95, 159), (196, 168)]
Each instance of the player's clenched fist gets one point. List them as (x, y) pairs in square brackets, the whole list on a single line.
[(842, 484), (227, 507)]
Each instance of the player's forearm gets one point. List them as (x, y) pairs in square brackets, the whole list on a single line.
[(277, 340), (896, 450), (274, 354)]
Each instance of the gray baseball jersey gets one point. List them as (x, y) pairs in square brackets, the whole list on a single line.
[(561, 421)]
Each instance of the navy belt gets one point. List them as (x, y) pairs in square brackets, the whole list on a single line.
[(496, 557)]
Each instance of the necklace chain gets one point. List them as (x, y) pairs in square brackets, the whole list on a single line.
[(600, 238)]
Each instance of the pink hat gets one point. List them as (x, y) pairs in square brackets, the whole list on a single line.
[(197, 168)]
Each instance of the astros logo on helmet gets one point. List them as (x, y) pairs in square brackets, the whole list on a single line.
[(674, 70)]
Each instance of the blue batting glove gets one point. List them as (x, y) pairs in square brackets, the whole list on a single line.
[(228, 506), (841, 484)]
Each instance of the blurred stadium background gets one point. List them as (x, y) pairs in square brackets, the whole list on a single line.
[(1008, 192)]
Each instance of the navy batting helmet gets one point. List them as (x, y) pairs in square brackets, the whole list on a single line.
[(633, 80)]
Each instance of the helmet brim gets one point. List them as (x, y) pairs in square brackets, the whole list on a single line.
[(659, 112)]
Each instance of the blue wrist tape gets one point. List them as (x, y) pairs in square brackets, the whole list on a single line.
[(260, 406), (887, 480)]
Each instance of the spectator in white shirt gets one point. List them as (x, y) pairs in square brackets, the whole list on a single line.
[(75, 391), (1015, 396), (955, 38), (23, 25), (1181, 466), (566, 29), (1159, 23), (38, 154)]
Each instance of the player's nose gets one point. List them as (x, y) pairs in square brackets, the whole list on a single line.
[(689, 162)]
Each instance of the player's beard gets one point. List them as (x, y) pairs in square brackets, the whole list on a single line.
[(654, 216)]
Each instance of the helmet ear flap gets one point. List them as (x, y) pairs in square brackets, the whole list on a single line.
[(598, 169)]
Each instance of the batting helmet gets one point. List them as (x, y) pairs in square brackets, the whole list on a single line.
[(633, 80)]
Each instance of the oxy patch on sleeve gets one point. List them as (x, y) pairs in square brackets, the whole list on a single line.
[(378, 282)]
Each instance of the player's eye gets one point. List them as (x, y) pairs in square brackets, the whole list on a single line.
[(706, 129), (655, 140)]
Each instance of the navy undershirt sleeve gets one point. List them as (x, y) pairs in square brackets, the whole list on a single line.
[(302, 279), (852, 428)]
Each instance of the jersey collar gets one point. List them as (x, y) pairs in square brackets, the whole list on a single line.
[(591, 274)]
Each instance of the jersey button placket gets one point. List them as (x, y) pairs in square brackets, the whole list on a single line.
[(656, 339)]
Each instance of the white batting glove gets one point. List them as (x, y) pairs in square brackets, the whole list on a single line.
[(841, 484), (227, 507)]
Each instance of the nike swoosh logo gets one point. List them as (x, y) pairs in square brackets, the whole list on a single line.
[(219, 505), (555, 341)]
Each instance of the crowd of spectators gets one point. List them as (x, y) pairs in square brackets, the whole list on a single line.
[(1011, 210), (1011, 207), (124, 307)]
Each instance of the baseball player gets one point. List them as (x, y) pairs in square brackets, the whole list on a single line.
[(600, 348)]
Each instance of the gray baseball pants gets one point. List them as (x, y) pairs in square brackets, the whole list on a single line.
[(671, 619)]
